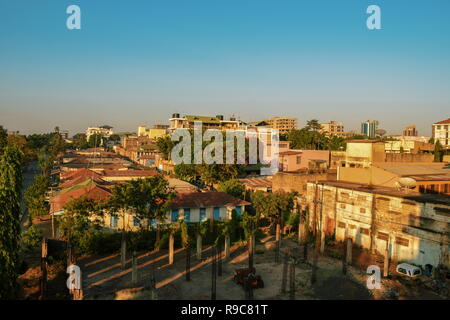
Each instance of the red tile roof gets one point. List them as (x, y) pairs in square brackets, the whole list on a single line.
[(93, 192), (205, 199), (443, 122), (74, 177), (130, 173)]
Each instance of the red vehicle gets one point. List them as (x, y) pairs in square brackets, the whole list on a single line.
[(248, 277)]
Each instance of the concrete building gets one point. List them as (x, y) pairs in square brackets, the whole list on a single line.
[(104, 131), (295, 160), (283, 125), (426, 177), (217, 122), (408, 146), (141, 149), (190, 207), (410, 131), (441, 132), (332, 128), (369, 128), (152, 133), (412, 227), (362, 153)]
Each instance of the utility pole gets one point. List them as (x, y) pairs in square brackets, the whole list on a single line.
[(317, 242), (219, 262), (292, 278), (134, 271), (188, 263), (284, 272), (213, 274)]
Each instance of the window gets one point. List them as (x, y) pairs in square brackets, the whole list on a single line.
[(238, 211), (342, 206), (364, 231), (114, 220), (216, 213), (341, 225), (383, 236), (187, 214), (402, 241), (362, 210), (202, 214), (136, 221), (299, 159), (174, 215)]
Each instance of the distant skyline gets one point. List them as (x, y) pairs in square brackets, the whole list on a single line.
[(137, 62)]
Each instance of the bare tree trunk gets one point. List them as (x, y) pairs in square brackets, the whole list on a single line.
[(199, 246), (188, 264), (278, 232), (134, 270), (123, 251), (158, 236), (171, 247), (227, 246)]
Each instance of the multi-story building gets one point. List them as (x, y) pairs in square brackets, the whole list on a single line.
[(410, 131), (217, 122), (153, 133), (104, 131), (408, 146), (369, 128), (283, 125), (409, 227), (441, 132), (332, 128)]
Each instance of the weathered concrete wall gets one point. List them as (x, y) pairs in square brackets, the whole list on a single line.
[(412, 231), (409, 157), (292, 181)]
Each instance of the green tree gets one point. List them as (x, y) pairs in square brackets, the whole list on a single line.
[(35, 196), (233, 187), (438, 151), (80, 141), (95, 140), (186, 172), (313, 125), (165, 145), (80, 222), (3, 139), (45, 162), (10, 194)]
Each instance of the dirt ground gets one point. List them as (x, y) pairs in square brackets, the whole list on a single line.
[(104, 279)]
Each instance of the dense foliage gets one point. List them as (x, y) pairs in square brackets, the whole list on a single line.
[(10, 194)]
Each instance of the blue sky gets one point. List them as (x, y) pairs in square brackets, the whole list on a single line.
[(137, 62)]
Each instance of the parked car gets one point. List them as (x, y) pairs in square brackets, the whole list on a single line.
[(408, 270)]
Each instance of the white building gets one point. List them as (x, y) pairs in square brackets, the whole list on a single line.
[(104, 131), (441, 132)]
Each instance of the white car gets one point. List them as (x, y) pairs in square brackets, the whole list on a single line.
[(409, 270)]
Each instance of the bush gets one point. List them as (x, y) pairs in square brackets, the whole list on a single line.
[(32, 237)]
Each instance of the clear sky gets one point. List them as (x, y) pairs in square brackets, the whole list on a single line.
[(138, 61)]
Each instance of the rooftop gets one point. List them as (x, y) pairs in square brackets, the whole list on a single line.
[(257, 182), (205, 199), (443, 122), (417, 169), (413, 196), (364, 141), (94, 192)]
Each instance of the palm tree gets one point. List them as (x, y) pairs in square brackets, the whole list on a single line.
[(313, 125)]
